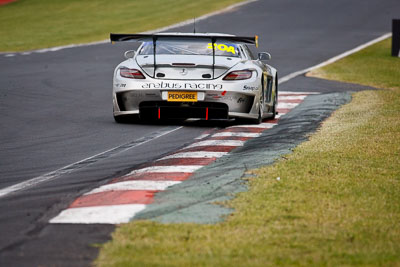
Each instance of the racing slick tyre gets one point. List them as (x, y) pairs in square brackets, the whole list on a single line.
[(275, 100), (261, 105), (126, 119), (274, 107), (259, 119)]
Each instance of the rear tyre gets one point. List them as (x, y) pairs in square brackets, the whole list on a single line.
[(274, 107), (120, 119), (261, 104), (259, 119), (275, 100), (126, 119)]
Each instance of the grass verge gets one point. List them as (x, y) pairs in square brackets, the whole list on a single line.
[(371, 66), (337, 202), (34, 24)]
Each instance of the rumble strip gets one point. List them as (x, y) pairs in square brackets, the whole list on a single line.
[(122, 198)]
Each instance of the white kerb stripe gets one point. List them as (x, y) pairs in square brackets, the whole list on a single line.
[(217, 143), (238, 134), (266, 125), (178, 168), (296, 93), (202, 136), (113, 214), (135, 185), (287, 105), (291, 97), (196, 154)]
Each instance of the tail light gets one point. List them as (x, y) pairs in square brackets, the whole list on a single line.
[(238, 75), (131, 73)]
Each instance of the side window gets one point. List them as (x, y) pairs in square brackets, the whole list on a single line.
[(248, 52), (243, 52)]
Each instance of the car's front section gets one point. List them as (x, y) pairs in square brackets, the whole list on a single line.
[(189, 79)]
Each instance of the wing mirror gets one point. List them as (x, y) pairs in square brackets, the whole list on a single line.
[(129, 54), (264, 56)]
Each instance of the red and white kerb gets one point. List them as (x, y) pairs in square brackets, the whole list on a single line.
[(124, 197)]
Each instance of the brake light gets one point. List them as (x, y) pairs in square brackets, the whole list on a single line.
[(238, 75), (131, 73)]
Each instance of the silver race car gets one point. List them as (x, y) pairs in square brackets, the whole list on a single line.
[(183, 75)]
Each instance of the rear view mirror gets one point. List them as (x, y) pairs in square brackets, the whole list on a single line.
[(264, 56), (129, 54)]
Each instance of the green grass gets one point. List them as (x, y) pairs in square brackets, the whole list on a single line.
[(372, 66), (337, 202), (34, 24)]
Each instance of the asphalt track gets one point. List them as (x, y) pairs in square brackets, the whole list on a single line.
[(56, 110)]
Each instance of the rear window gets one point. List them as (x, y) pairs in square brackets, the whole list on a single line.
[(190, 48)]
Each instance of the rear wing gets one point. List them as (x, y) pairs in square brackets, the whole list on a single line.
[(123, 37)]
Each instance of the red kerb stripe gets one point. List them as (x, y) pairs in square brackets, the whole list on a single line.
[(114, 198), (230, 138), (209, 148), (155, 176), (283, 110), (243, 130), (183, 161)]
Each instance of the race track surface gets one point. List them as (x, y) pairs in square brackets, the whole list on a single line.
[(56, 111)]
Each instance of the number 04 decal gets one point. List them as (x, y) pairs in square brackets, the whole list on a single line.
[(222, 47)]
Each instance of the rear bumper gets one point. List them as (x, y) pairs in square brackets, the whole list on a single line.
[(172, 110), (212, 105)]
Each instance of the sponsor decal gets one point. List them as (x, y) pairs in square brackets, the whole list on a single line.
[(240, 100), (222, 47), (120, 85), (172, 85), (182, 96), (249, 88)]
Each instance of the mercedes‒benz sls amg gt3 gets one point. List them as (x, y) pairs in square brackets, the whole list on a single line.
[(202, 75)]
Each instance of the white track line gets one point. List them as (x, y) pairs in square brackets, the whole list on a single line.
[(238, 134), (113, 214), (176, 25), (333, 59), (196, 154), (135, 185), (217, 143), (177, 168), (83, 163)]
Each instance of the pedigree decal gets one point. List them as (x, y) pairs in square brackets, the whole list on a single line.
[(172, 85)]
